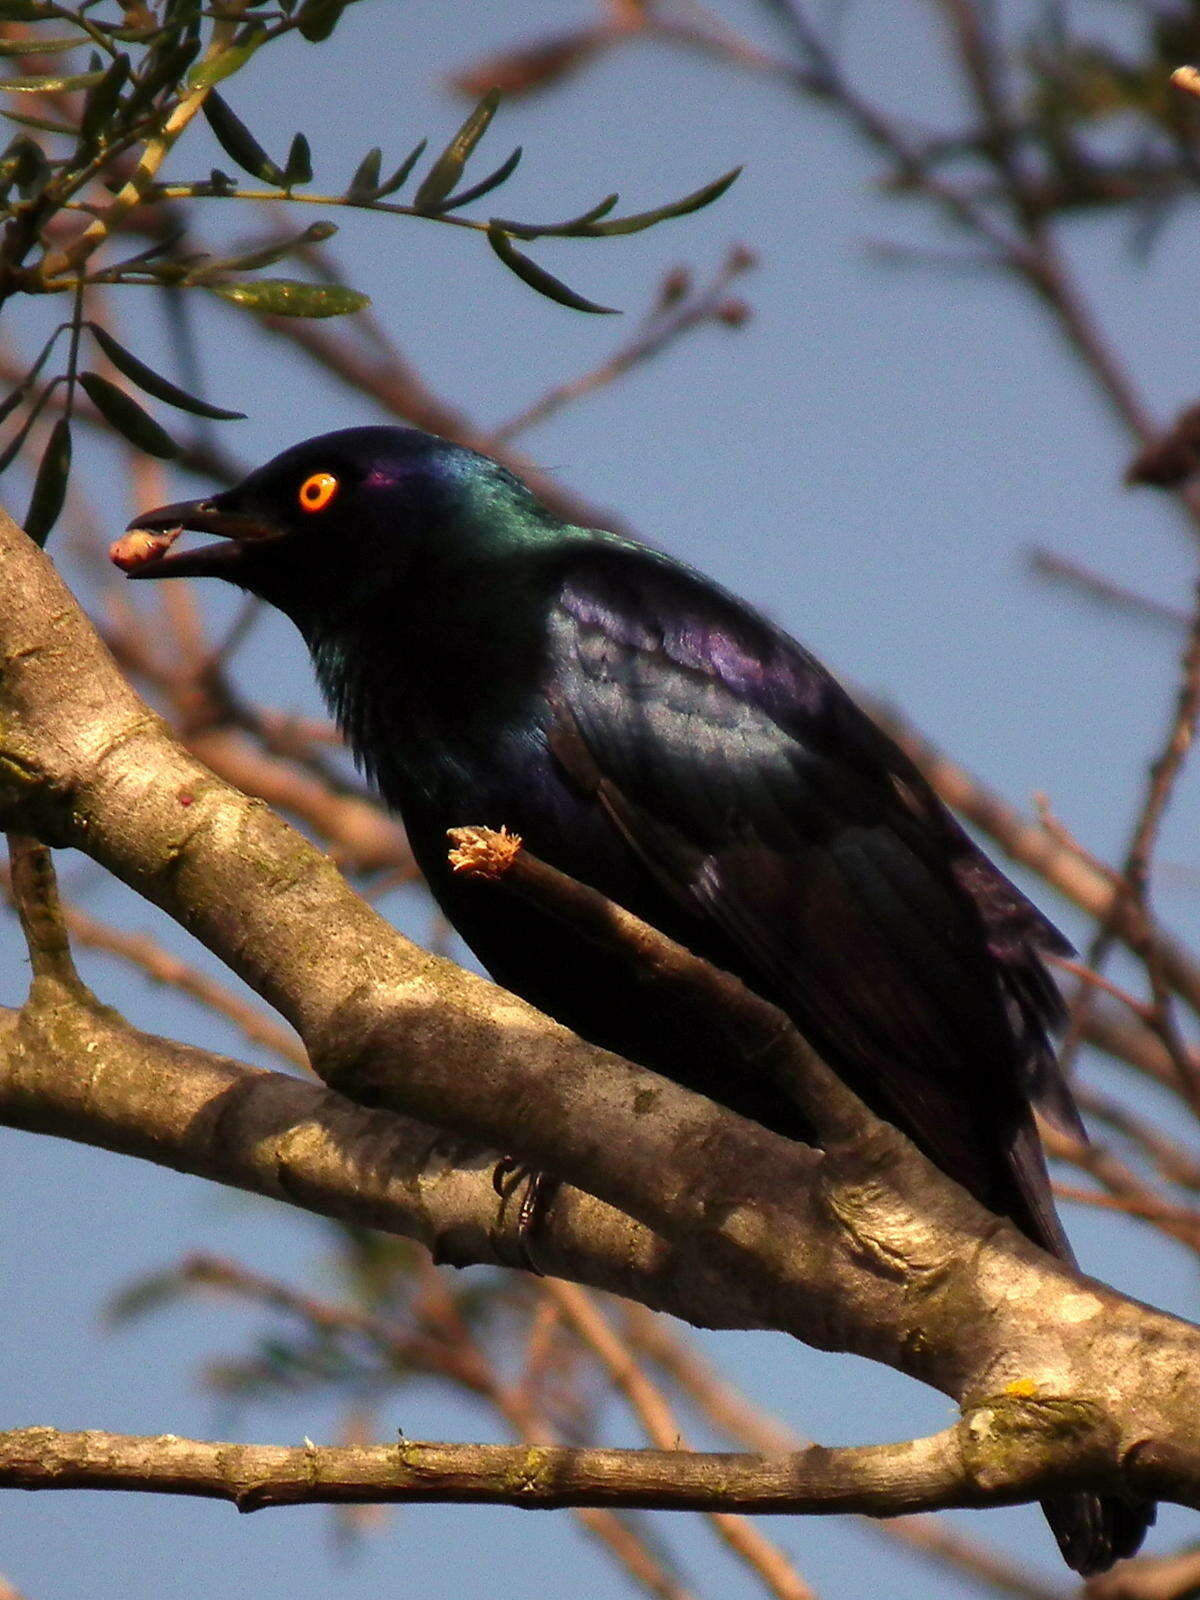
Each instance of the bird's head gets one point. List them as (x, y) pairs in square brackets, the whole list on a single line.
[(339, 520)]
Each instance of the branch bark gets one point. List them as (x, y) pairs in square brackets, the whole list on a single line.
[(862, 1246), (78, 1071), (956, 1468)]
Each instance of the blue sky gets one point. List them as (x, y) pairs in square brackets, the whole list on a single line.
[(870, 459)]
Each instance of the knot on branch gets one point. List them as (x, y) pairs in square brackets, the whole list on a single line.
[(879, 1226), (1023, 1443), (32, 798), (893, 1215)]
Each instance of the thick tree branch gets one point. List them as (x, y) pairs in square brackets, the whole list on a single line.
[(863, 1246), (80, 1072)]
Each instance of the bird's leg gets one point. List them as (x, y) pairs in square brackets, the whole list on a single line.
[(536, 1201)]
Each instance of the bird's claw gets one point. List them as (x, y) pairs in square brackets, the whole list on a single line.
[(539, 1187)]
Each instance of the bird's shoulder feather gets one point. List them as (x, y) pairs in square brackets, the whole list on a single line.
[(764, 800)]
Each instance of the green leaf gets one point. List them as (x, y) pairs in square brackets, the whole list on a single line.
[(13, 399), (24, 10), (145, 1295), (238, 143), (298, 167), (30, 170), (288, 297), (537, 277), (127, 417), (102, 101), (25, 119), (317, 19), (214, 69), (595, 213), (678, 208), (364, 185), (485, 186), (164, 64), (9, 454), (568, 229), (37, 47), (400, 176), (154, 383), (267, 256), (50, 485), (589, 226), (51, 85), (447, 169)]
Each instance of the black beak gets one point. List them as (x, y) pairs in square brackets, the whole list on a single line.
[(238, 530)]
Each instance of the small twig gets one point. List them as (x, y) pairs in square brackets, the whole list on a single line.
[(671, 318), (1131, 902), (1030, 844), (1173, 1162), (1116, 1032), (1097, 980), (450, 1352), (1057, 829), (57, 267), (1176, 1220), (385, 376), (1049, 564), (727, 1409), (1123, 1188), (158, 963), (650, 1406), (226, 736), (35, 895), (932, 1473), (733, 1016), (400, 1346), (512, 1401), (1169, 1577)]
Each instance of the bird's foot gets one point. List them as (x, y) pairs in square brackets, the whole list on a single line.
[(538, 1197)]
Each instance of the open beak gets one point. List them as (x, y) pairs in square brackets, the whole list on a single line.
[(237, 530)]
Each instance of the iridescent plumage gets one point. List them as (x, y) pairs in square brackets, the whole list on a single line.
[(648, 733)]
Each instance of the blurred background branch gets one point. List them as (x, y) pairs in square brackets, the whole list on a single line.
[(1027, 144)]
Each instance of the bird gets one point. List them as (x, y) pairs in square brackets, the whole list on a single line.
[(648, 733)]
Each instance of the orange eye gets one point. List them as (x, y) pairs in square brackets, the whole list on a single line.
[(316, 492)]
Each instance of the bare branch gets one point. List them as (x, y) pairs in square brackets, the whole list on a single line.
[(760, 1554), (437, 1340), (1171, 1577), (295, 1141), (947, 1469), (728, 1410), (863, 1246), (35, 895)]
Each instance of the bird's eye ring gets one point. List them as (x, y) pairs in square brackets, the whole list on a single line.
[(317, 491)]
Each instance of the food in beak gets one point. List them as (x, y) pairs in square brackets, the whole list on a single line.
[(140, 545)]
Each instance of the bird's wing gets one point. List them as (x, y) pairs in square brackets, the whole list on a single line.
[(805, 851)]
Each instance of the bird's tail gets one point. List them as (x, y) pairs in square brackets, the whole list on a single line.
[(1095, 1530)]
